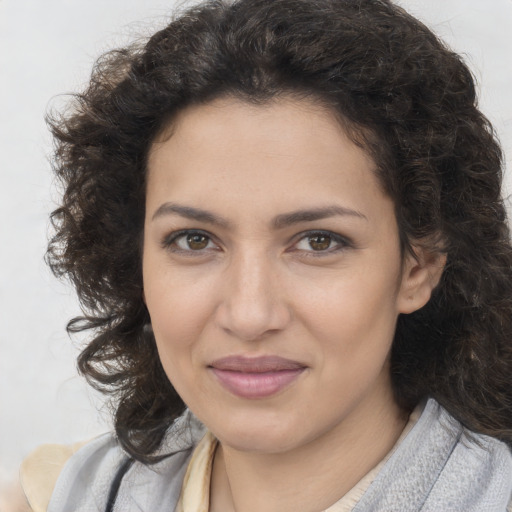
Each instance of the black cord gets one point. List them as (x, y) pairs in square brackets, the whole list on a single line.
[(116, 483)]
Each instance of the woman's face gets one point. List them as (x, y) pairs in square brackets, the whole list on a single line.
[(272, 272)]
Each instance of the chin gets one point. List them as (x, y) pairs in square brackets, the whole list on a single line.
[(259, 442), (266, 433)]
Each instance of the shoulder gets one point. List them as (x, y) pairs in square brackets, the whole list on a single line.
[(476, 472), (83, 480), (40, 470), (44, 467), (439, 465), (90, 469)]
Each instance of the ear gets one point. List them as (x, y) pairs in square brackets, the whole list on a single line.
[(421, 274)]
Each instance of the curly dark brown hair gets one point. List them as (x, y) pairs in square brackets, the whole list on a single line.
[(403, 95)]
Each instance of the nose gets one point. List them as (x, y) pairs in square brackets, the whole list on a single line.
[(253, 303)]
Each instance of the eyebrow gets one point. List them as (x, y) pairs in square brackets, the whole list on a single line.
[(288, 219), (191, 213), (279, 222)]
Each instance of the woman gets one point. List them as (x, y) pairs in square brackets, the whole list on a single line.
[(284, 222)]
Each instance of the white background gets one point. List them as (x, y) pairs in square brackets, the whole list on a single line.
[(47, 48)]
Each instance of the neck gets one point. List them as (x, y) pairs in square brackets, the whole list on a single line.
[(326, 467)]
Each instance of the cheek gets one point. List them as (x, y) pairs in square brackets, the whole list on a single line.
[(179, 308), (354, 316), (352, 298), (354, 329), (176, 326), (175, 316)]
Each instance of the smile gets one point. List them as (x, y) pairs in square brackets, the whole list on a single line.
[(256, 377)]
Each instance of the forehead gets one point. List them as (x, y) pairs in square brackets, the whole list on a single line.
[(284, 154), (275, 123)]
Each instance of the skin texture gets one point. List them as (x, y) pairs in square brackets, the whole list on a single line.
[(248, 288)]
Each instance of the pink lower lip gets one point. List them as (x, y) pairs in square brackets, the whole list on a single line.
[(257, 384)]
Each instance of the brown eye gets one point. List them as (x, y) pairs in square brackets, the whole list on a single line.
[(319, 242), (197, 241), (189, 242)]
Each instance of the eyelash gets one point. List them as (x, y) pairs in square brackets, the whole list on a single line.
[(340, 243), (169, 242)]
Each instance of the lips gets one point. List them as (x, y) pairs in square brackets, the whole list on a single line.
[(256, 377)]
